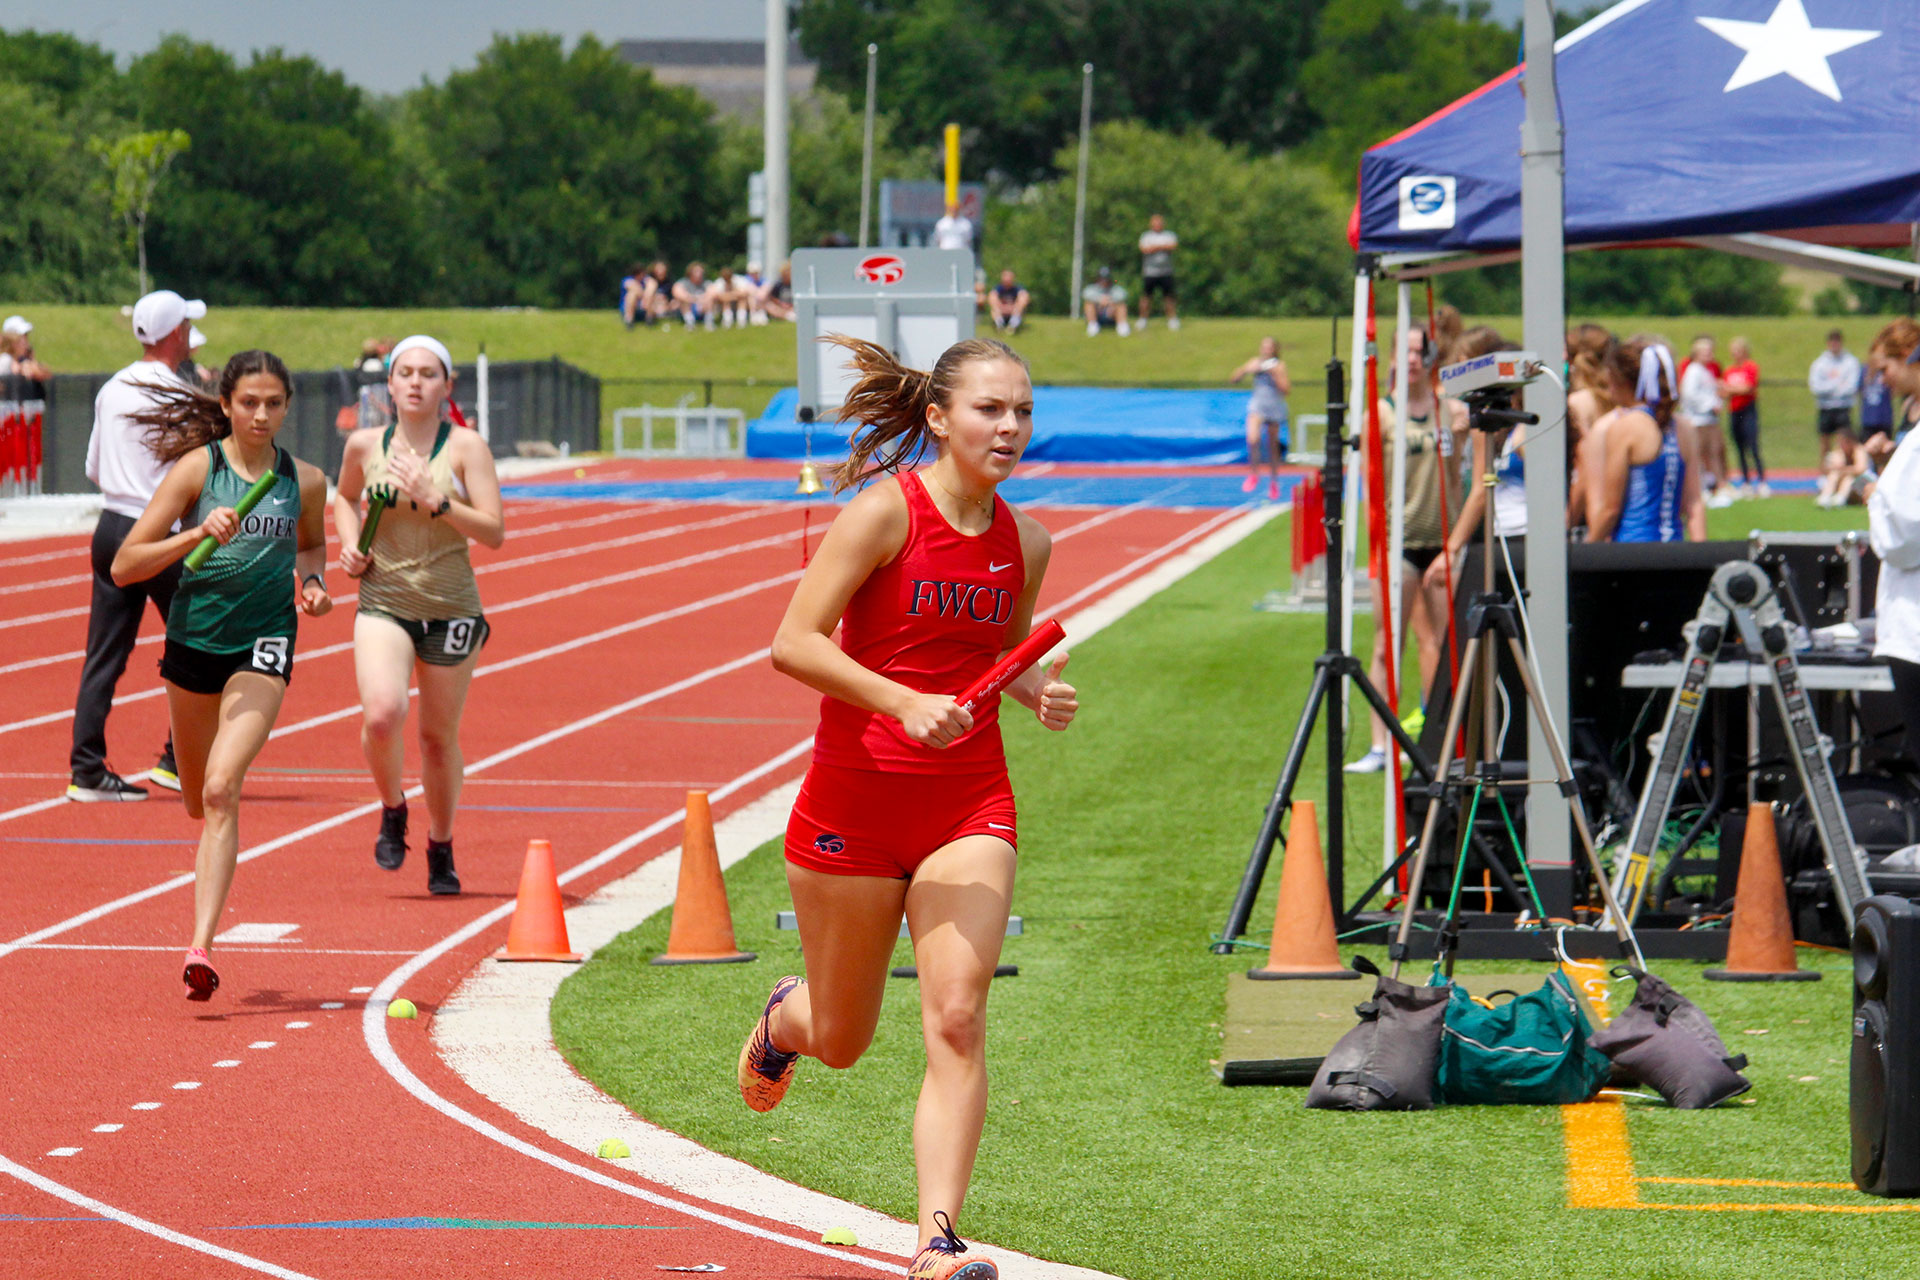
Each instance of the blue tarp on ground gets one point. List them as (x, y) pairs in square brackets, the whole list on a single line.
[(1683, 118), (1070, 424)]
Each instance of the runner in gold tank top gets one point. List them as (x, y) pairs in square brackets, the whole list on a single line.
[(420, 617)]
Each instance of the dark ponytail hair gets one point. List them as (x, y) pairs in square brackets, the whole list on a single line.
[(1626, 364), (185, 418), (890, 403)]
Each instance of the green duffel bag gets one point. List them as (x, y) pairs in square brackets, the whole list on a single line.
[(1531, 1049)]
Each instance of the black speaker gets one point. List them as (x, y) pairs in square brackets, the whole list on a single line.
[(1884, 1075)]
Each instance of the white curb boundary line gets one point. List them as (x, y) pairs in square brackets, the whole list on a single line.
[(494, 1030)]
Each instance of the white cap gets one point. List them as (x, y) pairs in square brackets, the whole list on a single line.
[(161, 312), (195, 339), (16, 324)]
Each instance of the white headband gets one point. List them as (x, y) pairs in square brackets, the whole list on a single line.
[(425, 343), (1655, 359)]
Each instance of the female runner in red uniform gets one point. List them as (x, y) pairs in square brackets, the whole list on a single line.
[(907, 807)]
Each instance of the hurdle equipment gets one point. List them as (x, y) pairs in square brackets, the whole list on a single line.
[(1304, 944), (1741, 601), (702, 931), (1760, 946), (539, 927)]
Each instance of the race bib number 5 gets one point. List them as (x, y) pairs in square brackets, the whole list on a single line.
[(271, 655)]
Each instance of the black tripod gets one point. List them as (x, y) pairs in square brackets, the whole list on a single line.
[(1331, 666)]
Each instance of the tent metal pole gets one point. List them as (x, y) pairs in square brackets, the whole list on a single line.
[(1396, 547), (1543, 297)]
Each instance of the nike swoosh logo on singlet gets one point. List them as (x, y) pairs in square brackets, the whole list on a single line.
[(1000, 826), (995, 568)]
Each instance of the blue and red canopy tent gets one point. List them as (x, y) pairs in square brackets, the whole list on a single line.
[(1782, 130)]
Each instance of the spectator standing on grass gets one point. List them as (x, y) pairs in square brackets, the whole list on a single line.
[(955, 231), (1893, 527), (1008, 301), (1105, 303), (1647, 488), (1834, 379), (1742, 385), (1589, 388), (1266, 415), (1699, 414), (690, 296), (121, 462), (16, 350), (1156, 270)]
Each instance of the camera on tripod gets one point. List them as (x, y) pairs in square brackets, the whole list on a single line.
[(1490, 375)]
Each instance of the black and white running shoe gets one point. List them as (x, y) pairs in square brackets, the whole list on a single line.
[(105, 787)]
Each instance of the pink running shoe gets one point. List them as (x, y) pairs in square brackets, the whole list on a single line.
[(1252, 483), (764, 1071), (943, 1258), (1273, 491), (199, 976)]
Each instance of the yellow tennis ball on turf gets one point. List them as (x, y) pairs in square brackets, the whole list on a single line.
[(402, 1008), (579, 472), (839, 1235), (614, 1149)]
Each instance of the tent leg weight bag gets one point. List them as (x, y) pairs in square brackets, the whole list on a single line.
[(1884, 1071), (1387, 1062), (1664, 1040)]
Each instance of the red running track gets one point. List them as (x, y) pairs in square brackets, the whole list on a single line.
[(145, 1134)]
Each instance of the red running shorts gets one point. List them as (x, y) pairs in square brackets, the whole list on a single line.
[(858, 822)]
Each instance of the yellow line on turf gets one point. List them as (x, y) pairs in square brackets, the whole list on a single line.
[(1599, 1158), (1731, 1207)]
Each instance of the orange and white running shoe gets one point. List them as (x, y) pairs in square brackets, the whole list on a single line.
[(944, 1258), (765, 1072)]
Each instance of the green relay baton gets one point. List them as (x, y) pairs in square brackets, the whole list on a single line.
[(248, 501), (376, 507)]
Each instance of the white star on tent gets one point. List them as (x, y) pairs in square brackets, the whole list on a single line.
[(1786, 44)]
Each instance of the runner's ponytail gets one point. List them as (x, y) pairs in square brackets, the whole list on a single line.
[(890, 402), (184, 418)]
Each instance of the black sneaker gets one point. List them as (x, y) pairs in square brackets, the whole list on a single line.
[(390, 846), (164, 772), (441, 878), (105, 787)]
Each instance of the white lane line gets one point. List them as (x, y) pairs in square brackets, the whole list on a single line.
[(333, 1004), (255, 931), (44, 584), (108, 1128), (261, 1044), (146, 1106), (298, 1026), (186, 1084), (358, 991), (373, 1026), (1256, 519), (544, 597), (41, 557), (138, 1223), (64, 1151), (260, 951), (227, 1062), (361, 811)]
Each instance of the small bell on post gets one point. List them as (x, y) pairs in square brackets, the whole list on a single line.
[(809, 479)]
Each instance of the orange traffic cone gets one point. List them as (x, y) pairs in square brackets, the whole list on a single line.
[(539, 928), (702, 922), (1304, 945), (1760, 944)]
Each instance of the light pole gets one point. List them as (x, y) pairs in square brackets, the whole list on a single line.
[(866, 148), (1080, 193), (775, 161)]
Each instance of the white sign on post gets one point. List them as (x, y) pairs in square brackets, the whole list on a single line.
[(914, 302)]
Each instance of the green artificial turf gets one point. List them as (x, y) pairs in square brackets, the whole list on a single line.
[(1110, 1142), (742, 368)]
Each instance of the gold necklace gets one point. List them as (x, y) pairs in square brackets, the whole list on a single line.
[(985, 504)]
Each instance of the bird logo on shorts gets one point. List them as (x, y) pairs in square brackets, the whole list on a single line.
[(830, 843)]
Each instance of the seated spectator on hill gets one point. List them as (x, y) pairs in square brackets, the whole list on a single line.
[(777, 298), (1846, 473), (727, 297), (1008, 301), (632, 294), (16, 350), (1105, 303), (690, 296), (755, 283)]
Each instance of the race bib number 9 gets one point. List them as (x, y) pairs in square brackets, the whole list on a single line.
[(272, 655), (460, 632)]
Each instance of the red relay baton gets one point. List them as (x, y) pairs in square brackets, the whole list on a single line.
[(1008, 669)]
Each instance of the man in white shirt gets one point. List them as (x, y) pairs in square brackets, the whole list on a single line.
[(1834, 379), (1156, 270), (127, 471), (955, 231)]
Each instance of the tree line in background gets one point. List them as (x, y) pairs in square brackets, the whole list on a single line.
[(536, 176)]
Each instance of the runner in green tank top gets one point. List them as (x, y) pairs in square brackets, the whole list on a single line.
[(419, 620), (230, 633)]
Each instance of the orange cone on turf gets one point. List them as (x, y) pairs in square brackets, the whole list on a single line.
[(1304, 945), (539, 928), (1760, 943), (702, 930)]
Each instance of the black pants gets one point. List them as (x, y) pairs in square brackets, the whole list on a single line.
[(1745, 425), (1906, 696), (112, 627)]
